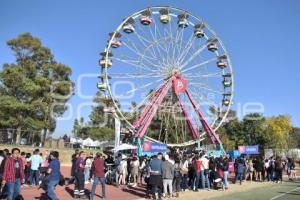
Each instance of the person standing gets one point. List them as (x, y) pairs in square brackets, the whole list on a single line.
[(54, 174), (13, 174), (293, 176), (184, 171), (155, 179), (278, 169), (36, 160), (177, 176), (79, 175), (259, 166), (141, 171), (87, 169), (249, 169), (122, 169), (272, 169), (117, 163), (225, 169), (168, 176), (204, 171), (134, 170), (73, 167), (197, 166), (98, 167), (240, 170), (2, 163)]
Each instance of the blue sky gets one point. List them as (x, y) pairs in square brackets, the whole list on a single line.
[(262, 37)]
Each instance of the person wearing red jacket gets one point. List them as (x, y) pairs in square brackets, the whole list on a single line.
[(13, 174), (98, 167)]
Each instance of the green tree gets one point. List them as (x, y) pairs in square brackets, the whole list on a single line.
[(278, 131), (234, 131), (254, 128), (294, 138), (76, 128), (34, 89)]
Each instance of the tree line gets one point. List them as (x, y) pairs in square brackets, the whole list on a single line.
[(276, 132)]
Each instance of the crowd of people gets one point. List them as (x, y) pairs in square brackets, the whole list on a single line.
[(162, 175), (17, 168)]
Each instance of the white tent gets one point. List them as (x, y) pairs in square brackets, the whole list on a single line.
[(124, 147), (96, 143), (87, 142), (74, 140)]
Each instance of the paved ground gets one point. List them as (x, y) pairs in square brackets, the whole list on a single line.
[(246, 191), (65, 193)]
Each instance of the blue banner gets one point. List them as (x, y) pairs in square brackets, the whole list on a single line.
[(154, 147), (249, 149), (234, 153)]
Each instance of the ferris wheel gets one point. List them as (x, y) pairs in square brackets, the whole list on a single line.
[(168, 75)]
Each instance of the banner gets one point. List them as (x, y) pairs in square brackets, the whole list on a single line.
[(117, 132), (154, 147), (249, 149), (179, 85), (234, 153)]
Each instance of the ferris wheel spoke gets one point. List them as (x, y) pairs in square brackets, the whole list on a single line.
[(154, 40), (205, 87), (179, 41), (193, 56), (168, 35), (187, 48), (147, 97), (157, 43), (148, 47), (200, 64), (143, 40), (166, 40), (204, 98), (159, 67), (131, 75), (137, 51), (190, 76), (211, 103), (141, 87), (134, 63)]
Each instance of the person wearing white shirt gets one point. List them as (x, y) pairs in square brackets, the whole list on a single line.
[(204, 171)]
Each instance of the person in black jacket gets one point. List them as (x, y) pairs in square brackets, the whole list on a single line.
[(73, 167), (259, 166), (278, 169)]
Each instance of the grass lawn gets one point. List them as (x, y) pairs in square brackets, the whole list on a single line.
[(250, 191)]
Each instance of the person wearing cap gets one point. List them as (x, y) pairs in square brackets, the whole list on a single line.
[(98, 167)]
